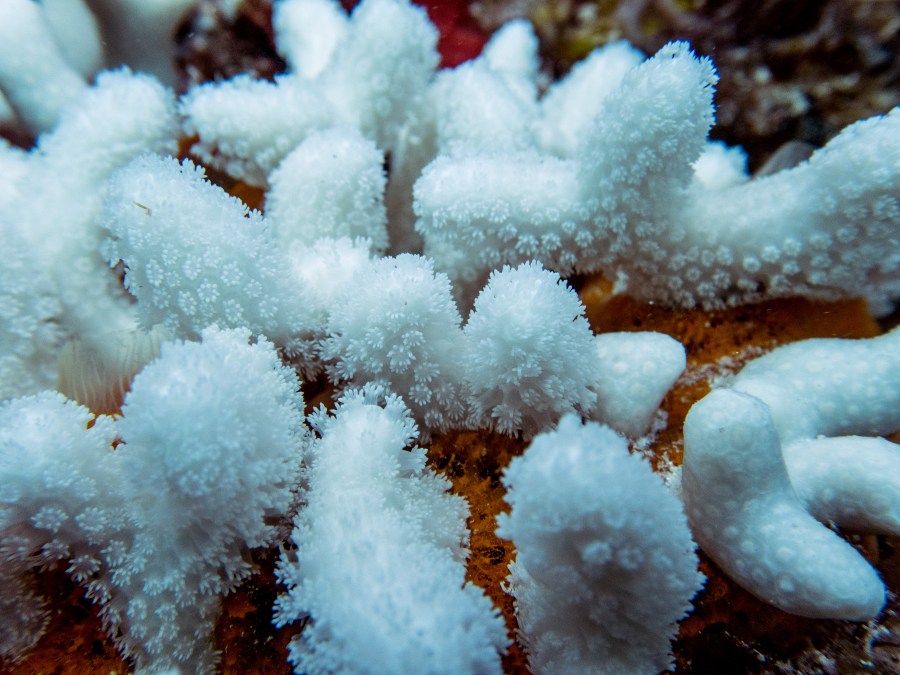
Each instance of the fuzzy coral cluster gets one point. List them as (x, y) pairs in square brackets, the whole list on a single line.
[(379, 553), (211, 438), (416, 232), (601, 576)]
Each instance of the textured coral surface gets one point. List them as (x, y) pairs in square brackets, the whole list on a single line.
[(807, 97), (728, 628)]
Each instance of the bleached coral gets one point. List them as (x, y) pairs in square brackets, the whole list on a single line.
[(35, 76), (635, 372), (141, 33), (59, 503), (397, 325), (605, 565), (852, 481), (622, 200), (378, 565), (328, 187), (610, 170), (845, 479), (50, 49), (274, 118), (213, 435), (323, 272), (378, 66), (760, 453), (56, 199), (745, 515), (157, 530), (829, 386), (194, 255), (29, 333), (307, 33), (571, 213), (525, 344)]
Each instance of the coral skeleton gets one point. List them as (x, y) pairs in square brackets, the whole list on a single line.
[(416, 234), (774, 448), (635, 372)]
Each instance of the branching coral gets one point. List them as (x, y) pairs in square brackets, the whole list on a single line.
[(121, 519), (34, 73), (609, 170), (29, 333), (213, 435), (56, 195), (377, 68), (736, 482), (622, 200), (592, 593), (48, 50), (224, 270), (379, 552)]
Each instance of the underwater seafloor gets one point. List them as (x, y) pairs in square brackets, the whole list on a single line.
[(789, 71)]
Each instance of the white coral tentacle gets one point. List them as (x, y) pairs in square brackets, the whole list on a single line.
[(525, 342)]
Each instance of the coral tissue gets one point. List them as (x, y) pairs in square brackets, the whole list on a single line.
[(417, 229)]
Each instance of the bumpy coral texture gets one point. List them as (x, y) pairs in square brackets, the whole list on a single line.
[(525, 344), (57, 506), (736, 488), (29, 332), (212, 436), (196, 256), (376, 72), (786, 418), (330, 186), (621, 197), (398, 326), (609, 170), (380, 547), (211, 458), (56, 198), (605, 565)]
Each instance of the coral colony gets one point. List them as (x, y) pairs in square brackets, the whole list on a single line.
[(431, 293)]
